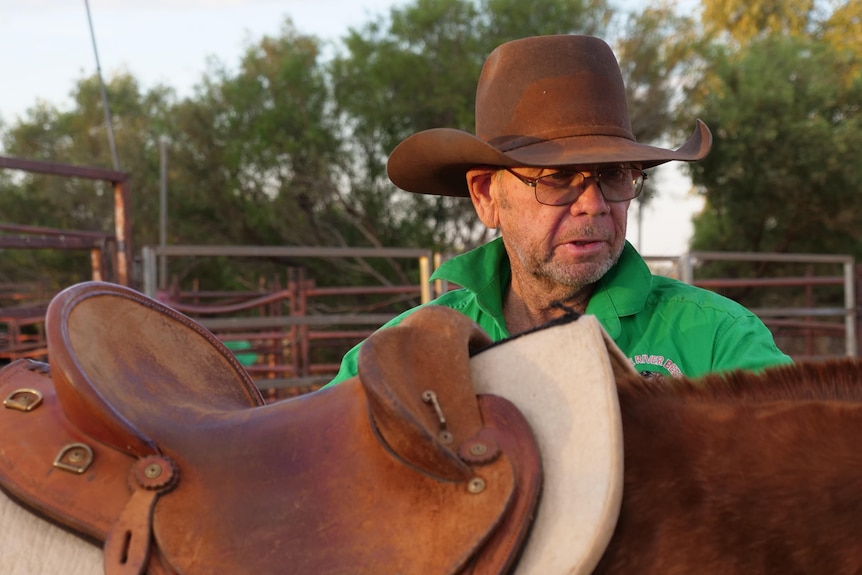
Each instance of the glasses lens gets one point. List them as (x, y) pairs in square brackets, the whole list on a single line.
[(562, 180), (559, 188), (620, 184)]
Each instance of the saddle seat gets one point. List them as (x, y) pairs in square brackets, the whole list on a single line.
[(147, 436)]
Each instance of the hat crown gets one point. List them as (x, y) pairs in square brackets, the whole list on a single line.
[(547, 87)]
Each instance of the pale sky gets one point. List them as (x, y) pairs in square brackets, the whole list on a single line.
[(46, 47)]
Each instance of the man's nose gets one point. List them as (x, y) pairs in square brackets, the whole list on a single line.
[(591, 200)]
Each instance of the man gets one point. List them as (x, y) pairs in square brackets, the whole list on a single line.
[(554, 166)]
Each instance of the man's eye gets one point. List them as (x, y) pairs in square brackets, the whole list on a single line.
[(614, 174), (562, 177)]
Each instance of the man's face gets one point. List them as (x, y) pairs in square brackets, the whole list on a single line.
[(555, 251)]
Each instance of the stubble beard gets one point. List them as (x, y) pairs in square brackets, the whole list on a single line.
[(572, 277)]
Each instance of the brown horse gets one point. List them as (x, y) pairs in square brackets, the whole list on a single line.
[(743, 474)]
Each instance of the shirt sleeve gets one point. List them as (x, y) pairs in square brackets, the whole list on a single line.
[(349, 366), (747, 344)]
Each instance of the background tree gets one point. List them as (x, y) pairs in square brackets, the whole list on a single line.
[(255, 158), (257, 142), (78, 137), (289, 148), (784, 174), (782, 100), (416, 70)]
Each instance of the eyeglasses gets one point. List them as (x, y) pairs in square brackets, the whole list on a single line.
[(563, 187)]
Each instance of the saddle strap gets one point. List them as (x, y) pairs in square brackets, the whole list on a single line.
[(127, 547)]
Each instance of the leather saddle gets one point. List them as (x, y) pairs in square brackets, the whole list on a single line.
[(145, 435)]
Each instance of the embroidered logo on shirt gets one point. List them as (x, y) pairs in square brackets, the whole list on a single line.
[(656, 361)]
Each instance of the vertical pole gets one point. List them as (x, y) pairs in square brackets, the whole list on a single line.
[(809, 303), (304, 285), (850, 307), (108, 124), (857, 316), (122, 230), (425, 278), (163, 210), (438, 284), (295, 310), (148, 255), (96, 264), (686, 273)]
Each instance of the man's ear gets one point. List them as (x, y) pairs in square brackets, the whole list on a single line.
[(479, 181)]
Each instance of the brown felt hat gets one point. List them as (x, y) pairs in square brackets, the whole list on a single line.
[(544, 101)]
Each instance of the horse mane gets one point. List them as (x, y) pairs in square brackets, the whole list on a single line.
[(838, 379), (834, 379)]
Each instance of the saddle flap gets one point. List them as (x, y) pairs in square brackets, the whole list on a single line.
[(78, 490), (125, 366), (420, 393), (310, 483)]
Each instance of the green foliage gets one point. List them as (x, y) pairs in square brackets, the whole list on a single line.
[(256, 143), (784, 174), (257, 159)]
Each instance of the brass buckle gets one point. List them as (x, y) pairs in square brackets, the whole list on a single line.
[(25, 399), (74, 457)]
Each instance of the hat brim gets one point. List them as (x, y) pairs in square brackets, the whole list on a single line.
[(436, 161)]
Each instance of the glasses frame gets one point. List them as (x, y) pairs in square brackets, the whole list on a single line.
[(534, 183)]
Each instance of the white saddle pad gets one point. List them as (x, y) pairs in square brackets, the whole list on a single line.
[(563, 380)]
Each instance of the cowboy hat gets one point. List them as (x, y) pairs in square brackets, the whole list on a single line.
[(544, 101)]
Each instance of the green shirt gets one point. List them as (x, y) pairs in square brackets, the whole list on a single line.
[(663, 325)]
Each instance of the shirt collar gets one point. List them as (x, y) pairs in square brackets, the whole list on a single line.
[(485, 271), (622, 291)]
